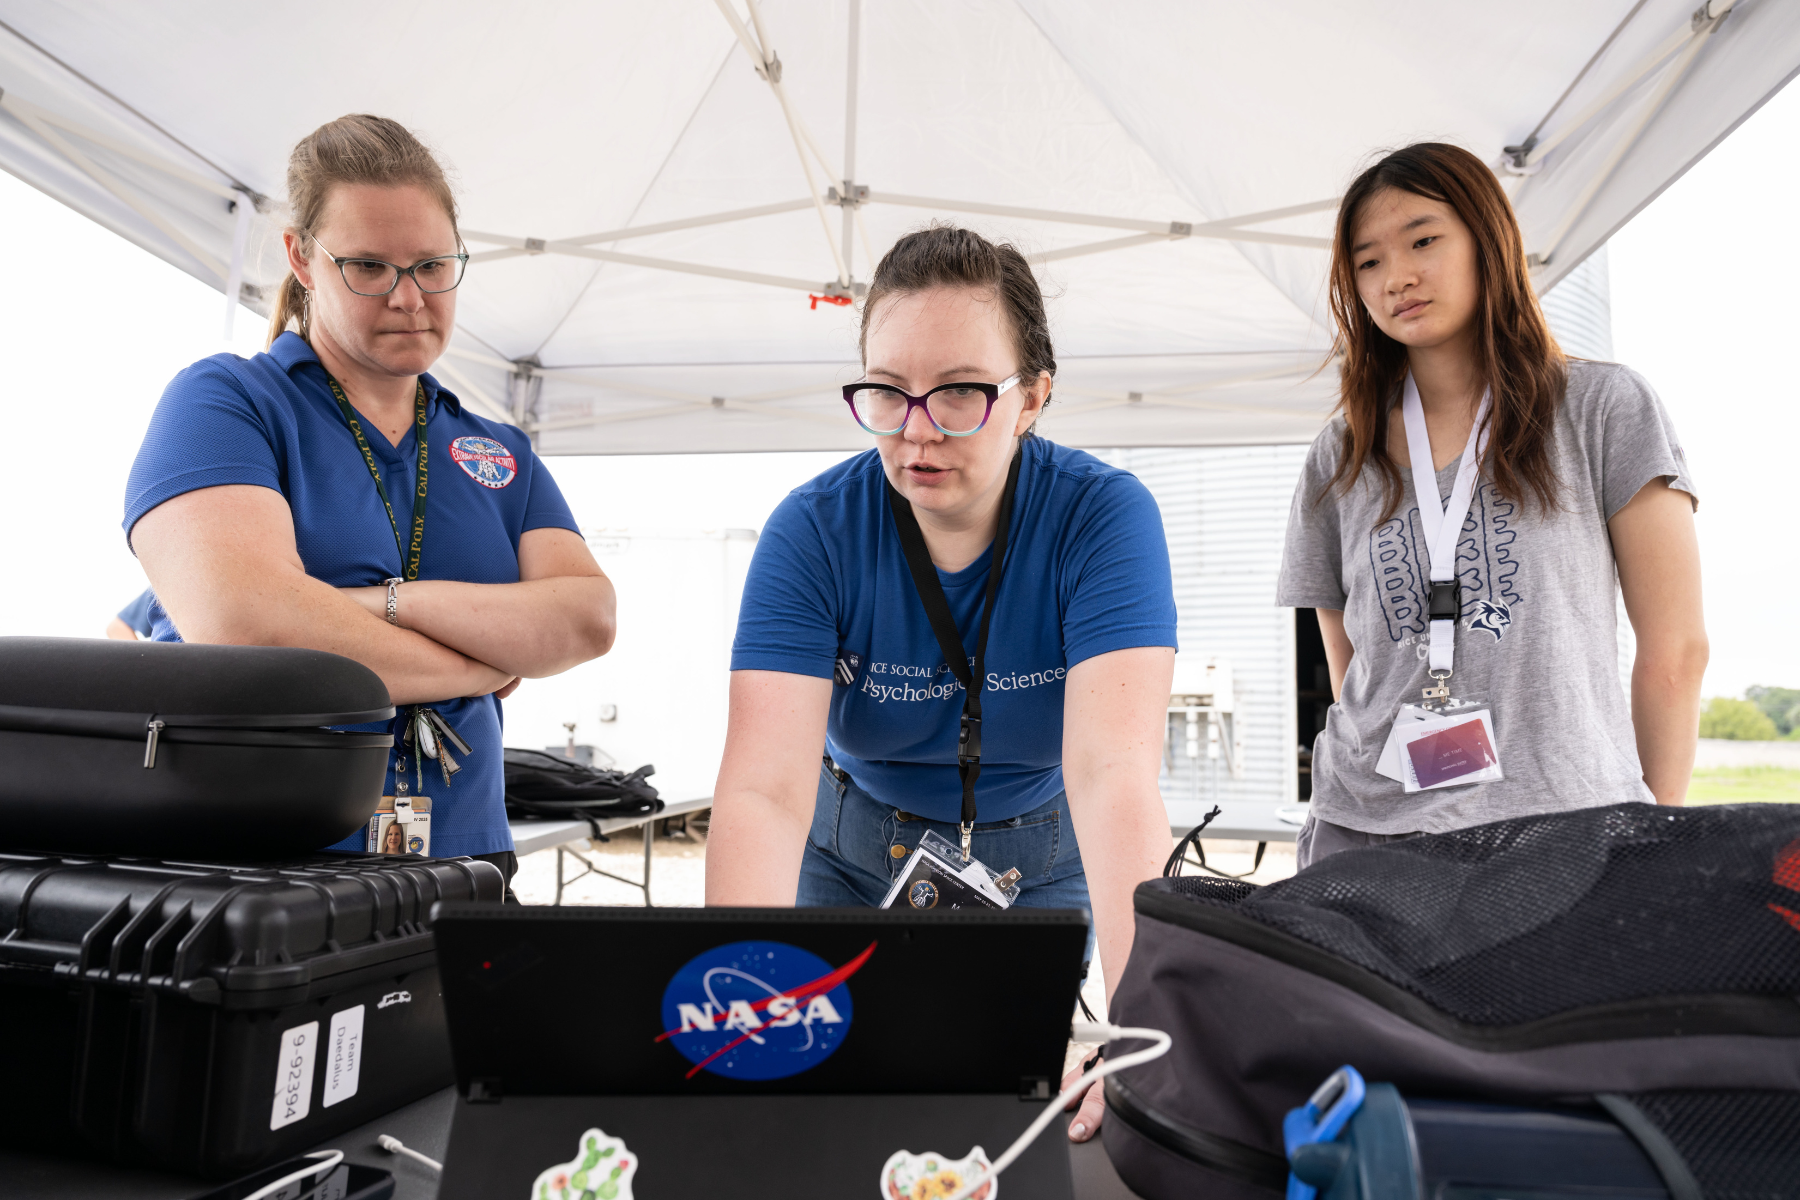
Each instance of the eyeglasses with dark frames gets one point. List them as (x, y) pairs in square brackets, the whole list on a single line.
[(372, 277), (954, 409)]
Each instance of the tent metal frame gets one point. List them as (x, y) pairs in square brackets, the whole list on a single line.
[(1675, 54)]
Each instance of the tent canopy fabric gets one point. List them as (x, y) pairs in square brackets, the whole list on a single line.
[(666, 201)]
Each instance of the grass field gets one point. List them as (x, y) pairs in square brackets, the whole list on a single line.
[(1743, 785)]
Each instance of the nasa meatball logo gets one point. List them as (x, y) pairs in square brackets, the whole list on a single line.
[(758, 1010), (488, 462)]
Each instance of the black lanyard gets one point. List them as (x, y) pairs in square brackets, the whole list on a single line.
[(409, 557), (937, 610)]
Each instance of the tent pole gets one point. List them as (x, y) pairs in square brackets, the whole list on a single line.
[(234, 278), (849, 181), (93, 171), (768, 65), (1651, 109)]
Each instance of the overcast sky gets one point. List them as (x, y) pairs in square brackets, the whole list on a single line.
[(1704, 302)]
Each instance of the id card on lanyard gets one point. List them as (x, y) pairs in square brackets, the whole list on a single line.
[(426, 732), (1443, 740), (970, 671)]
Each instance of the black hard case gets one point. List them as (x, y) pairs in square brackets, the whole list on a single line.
[(243, 766), (144, 1003)]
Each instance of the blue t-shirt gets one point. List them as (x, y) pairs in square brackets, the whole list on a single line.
[(137, 614), (271, 421), (1087, 574)]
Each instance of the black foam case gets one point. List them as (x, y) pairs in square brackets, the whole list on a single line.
[(240, 765), (150, 1008)]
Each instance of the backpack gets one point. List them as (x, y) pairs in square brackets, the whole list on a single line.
[(546, 785), (1630, 950)]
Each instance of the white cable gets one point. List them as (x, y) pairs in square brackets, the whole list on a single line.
[(1083, 1031), (331, 1159), (394, 1145)]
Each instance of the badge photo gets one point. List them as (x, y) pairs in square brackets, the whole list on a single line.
[(485, 461)]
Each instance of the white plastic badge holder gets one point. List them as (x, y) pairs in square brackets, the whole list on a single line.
[(1406, 760), (1453, 745), (411, 816), (937, 877)]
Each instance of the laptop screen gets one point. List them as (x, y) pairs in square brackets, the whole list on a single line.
[(620, 1002)]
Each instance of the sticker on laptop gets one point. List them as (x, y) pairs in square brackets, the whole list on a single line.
[(601, 1170), (758, 1010), (927, 1176)]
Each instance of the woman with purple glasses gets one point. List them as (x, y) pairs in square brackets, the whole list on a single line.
[(976, 627)]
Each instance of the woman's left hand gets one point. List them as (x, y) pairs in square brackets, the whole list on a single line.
[(1088, 1109)]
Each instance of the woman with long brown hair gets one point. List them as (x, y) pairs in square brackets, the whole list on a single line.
[(1472, 637)]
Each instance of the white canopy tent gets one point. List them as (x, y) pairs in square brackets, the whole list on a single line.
[(657, 194)]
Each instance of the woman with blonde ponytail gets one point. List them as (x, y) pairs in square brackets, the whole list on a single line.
[(330, 493)]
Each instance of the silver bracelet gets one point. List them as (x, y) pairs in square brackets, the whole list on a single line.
[(393, 604)]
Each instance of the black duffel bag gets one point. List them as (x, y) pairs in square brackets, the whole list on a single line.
[(546, 785), (1629, 950), (173, 750)]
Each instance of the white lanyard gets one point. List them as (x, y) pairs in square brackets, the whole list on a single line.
[(1443, 526)]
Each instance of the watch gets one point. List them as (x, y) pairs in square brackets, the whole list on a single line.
[(393, 609)]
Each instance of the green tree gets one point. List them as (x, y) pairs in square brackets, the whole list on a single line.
[(1738, 720), (1781, 705)]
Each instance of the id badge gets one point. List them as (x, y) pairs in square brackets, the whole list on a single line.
[(937, 877), (401, 825), (1442, 743)]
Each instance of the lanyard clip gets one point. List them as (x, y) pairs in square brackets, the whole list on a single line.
[(968, 828), (968, 740), (1441, 691)]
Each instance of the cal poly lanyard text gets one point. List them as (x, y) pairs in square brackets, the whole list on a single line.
[(409, 554)]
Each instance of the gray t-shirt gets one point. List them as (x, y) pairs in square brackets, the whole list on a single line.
[(1538, 634)]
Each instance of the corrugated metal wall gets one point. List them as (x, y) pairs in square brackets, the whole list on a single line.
[(1224, 510), (1579, 309)]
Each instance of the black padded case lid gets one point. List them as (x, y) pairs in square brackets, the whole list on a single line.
[(253, 687)]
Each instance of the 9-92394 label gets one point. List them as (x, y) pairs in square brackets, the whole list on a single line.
[(294, 1075)]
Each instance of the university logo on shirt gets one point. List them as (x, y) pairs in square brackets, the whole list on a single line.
[(487, 462)]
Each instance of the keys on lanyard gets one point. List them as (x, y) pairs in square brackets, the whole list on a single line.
[(427, 734)]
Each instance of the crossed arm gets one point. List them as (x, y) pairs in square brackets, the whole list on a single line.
[(224, 564)]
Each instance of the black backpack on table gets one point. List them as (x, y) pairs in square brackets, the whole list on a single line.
[(547, 785), (1575, 960)]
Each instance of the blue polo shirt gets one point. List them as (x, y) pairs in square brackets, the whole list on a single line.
[(1088, 573), (271, 421)]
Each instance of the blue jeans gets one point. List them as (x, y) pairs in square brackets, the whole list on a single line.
[(850, 859)]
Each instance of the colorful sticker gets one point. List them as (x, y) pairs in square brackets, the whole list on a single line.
[(601, 1170), (487, 462), (758, 1010), (931, 1176)]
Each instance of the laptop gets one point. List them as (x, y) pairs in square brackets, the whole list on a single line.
[(750, 1052)]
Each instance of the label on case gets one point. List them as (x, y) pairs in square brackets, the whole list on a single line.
[(343, 1055), (294, 1075)]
